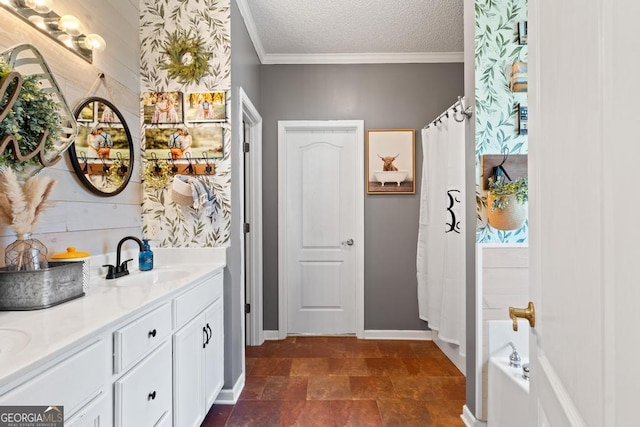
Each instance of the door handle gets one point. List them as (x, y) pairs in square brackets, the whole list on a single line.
[(348, 242), (528, 313)]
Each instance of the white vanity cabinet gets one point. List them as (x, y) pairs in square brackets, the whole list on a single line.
[(135, 355), (197, 352)]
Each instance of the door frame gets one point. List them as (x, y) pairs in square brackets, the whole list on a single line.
[(285, 126), (248, 113)]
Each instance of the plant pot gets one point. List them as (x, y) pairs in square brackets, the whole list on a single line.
[(512, 217)]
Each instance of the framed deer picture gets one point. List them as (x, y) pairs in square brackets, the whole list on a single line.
[(390, 161)]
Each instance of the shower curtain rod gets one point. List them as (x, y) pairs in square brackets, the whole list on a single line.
[(459, 104)]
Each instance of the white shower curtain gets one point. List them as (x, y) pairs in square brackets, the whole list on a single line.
[(441, 234)]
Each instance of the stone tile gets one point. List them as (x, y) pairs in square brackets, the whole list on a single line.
[(404, 413), (285, 388), (418, 388), (217, 416), (371, 388), (310, 366), (389, 366), (272, 366), (328, 388), (263, 413), (348, 366), (396, 349), (453, 388), (253, 388), (426, 367), (446, 413)]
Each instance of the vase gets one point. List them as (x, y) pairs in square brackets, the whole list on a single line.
[(510, 217), (26, 254)]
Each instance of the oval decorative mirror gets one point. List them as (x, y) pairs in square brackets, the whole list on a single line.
[(102, 154)]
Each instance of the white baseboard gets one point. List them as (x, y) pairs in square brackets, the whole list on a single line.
[(470, 420), (271, 335), (231, 396), (397, 335)]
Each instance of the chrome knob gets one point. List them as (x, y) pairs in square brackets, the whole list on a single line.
[(348, 242)]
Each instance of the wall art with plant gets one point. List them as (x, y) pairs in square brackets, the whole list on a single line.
[(185, 47), (496, 49)]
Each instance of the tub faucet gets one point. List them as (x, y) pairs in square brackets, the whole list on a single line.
[(514, 358), (119, 269)]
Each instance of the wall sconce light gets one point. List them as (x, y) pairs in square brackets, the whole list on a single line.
[(66, 29)]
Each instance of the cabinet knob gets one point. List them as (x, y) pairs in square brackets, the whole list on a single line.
[(152, 334), (152, 395)]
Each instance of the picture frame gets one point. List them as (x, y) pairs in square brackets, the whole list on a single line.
[(390, 161), (162, 107), (205, 107), (168, 143), (106, 114), (522, 117), (523, 30), (87, 114)]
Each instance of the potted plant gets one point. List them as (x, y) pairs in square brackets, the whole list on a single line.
[(507, 202), (33, 112)]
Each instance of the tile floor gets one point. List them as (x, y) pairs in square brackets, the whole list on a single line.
[(343, 381)]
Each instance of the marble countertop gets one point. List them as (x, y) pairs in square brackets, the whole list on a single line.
[(28, 339)]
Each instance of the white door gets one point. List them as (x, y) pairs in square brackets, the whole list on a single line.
[(321, 226), (583, 153)]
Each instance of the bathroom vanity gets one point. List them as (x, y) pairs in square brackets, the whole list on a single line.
[(142, 350)]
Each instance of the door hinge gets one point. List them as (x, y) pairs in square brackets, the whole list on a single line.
[(247, 308), (246, 227), (245, 147)]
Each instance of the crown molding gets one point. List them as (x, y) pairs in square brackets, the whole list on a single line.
[(250, 23), (364, 58), (340, 58)]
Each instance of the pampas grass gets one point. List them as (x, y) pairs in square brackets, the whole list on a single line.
[(22, 204)]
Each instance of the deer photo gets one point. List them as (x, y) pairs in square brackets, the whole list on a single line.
[(388, 163)]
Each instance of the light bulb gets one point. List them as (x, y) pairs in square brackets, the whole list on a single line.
[(67, 40), (94, 42), (38, 21), (40, 6), (70, 25)]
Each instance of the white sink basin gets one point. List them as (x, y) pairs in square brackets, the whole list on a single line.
[(144, 278), (13, 340)]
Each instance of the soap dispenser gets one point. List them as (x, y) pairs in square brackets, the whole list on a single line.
[(145, 258)]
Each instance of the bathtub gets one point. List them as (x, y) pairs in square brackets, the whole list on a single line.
[(391, 176), (508, 391)]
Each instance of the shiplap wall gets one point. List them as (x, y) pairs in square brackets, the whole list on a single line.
[(503, 277), (79, 218)]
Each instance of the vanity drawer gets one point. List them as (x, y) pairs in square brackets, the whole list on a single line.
[(143, 395), (131, 342), (192, 302), (72, 383)]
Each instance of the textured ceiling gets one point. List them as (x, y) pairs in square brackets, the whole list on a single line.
[(325, 27)]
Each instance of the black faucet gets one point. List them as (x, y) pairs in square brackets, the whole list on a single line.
[(120, 270)]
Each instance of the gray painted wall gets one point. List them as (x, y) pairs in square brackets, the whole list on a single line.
[(245, 72), (385, 96)]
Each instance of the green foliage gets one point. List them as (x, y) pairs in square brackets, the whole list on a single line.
[(33, 112), (187, 57), (501, 190)]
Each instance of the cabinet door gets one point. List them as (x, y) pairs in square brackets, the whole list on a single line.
[(98, 413), (188, 373), (214, 353)]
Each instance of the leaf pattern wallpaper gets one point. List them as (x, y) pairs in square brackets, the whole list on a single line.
[(163, 220), (496, 49)]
